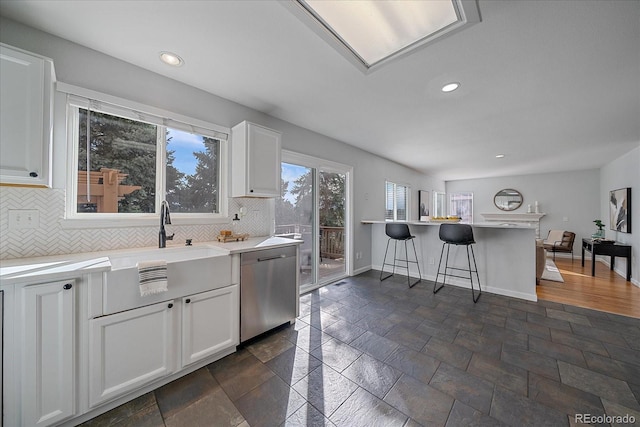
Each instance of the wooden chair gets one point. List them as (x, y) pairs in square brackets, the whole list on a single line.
[(560, 241)]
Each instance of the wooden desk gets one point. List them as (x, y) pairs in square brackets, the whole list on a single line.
[(609, 249)]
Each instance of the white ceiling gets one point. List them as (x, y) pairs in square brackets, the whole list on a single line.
[(553, 85)]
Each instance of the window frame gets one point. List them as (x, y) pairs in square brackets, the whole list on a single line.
[(395, 201), (439, 203), (469, 199), (82, 98)]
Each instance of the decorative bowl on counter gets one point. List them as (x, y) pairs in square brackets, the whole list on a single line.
[(445, 219)]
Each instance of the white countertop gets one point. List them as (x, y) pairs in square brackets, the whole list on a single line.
[(255, 244), (59, 267), (504, 224)]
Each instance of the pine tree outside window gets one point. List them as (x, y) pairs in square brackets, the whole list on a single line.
[(127, 162)]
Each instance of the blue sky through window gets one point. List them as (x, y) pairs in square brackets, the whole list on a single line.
[(184, 144), (290, 173)]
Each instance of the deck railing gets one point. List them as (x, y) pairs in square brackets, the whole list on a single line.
[(331, 238), (332, 242)]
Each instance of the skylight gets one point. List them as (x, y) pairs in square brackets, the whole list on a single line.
[(375, 31)]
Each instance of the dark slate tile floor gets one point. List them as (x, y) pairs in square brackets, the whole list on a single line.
[(371, 353)]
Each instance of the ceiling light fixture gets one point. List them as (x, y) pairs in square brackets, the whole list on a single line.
[(499, 156), (171, 59), (372, 32), (450, 87)]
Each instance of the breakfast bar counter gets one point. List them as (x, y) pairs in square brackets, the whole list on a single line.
[(505, 255)]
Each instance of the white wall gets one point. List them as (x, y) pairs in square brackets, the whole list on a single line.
[(574, 196), (620, 173), (370, 173), (87, 68)]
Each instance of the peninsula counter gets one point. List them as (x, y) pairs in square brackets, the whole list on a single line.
[(505, 254)]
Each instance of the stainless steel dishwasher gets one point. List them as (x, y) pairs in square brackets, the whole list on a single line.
[(268, 292)]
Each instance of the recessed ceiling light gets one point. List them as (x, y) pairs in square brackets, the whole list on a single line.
[(450, 87), (499, 156), (171, 59)]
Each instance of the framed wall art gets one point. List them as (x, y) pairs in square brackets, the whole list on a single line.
[(620, 210)]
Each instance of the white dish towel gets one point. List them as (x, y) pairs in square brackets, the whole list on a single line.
[(153, 277)]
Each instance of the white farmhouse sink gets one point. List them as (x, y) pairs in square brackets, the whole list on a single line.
[(190, 270), (131, 258)]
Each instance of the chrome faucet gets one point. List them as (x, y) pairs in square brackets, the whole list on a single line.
[(165, 218)]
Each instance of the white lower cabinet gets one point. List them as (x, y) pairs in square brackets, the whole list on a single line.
[(210, 323), (48, 353), (133, 348), (63, 361), (130, 349)]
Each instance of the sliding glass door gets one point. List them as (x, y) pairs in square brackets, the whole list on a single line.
[(314, 208), (295, 215), (332, 221)]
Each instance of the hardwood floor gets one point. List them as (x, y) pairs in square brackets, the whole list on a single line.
[(607, 291)]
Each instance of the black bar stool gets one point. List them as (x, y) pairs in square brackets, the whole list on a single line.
[(400, 232), (458, 234)]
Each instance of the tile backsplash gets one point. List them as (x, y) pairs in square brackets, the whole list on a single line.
[(49, 238)]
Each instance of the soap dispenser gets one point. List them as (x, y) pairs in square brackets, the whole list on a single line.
[(235, 225)]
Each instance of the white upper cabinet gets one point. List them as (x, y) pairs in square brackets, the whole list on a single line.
[(26, 117), (255, 161)]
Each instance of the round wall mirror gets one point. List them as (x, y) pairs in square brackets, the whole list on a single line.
[(508, 199)]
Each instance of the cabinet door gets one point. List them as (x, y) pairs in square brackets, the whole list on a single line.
[(263, 175), (210, 323), (48, 376), (25, 122), (255, 161), (130, 349)]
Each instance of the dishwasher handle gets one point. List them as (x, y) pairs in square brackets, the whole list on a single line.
[(276, 255), (272, 258)]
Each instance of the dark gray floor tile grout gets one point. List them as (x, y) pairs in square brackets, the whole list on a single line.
[(452, 320)]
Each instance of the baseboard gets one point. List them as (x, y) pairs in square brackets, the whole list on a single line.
[(413, 274), (622, 273), (509, 293), (362, 270), (461, 283), (599, 258), (562, 255)]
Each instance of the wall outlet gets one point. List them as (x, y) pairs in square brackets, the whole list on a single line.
[(24, 218), (432, 261), (565, 218), (358, 255)]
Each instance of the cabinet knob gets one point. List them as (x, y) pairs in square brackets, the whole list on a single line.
[(33, 174), (251, 191), (170, 305), (67, 286), (187, 301)]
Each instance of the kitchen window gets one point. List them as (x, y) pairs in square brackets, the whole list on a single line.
[(396, 202), (126, 162), (439, 204), (461, 204)]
